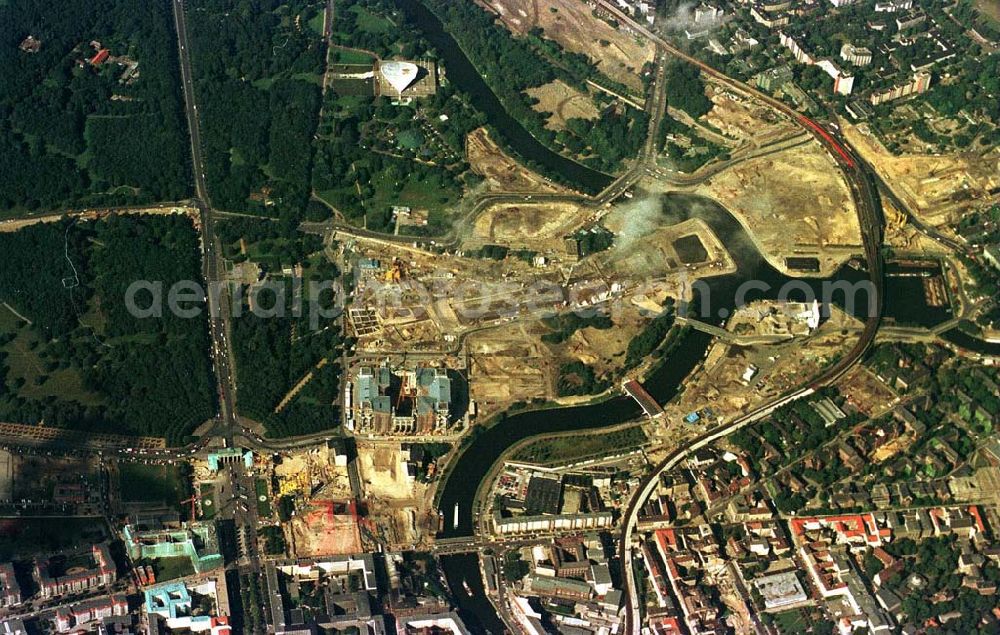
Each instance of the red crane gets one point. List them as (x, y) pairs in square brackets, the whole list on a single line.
[(191, 500)]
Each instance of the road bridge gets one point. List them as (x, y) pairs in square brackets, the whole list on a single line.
[(733, 338)]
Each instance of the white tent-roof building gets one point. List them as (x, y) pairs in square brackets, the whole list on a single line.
[(400, 75)]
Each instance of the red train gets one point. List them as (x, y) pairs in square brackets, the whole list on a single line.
[(830, 140)]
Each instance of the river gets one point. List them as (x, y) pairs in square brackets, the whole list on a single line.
[(720, 296), (473, 465), (972, 343), (461, 72), (719, 300)]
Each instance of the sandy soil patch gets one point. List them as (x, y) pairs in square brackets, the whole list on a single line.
[(935, 188), (383, 476), (564, 103), (742, 118), (325, 529), (794, 203), (989, 8), (618, 55), (866, 392), (502, 173), (15, 224), (508, 365), (528, 224), (653, 254), (719, 386), (394, 501)]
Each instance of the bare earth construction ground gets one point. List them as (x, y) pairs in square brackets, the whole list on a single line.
[(502, 173), (936, 188), (719, 384), (536, 226), (744, 119), (571, 24), (794, 203)]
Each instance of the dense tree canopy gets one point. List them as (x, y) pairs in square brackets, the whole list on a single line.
[(275, 349), (74, 133), (257, 82), (686, 89), (103, 367)]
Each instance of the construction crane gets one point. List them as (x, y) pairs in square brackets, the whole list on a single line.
[(191, 500)]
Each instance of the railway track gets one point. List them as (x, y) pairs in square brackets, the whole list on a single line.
[(864, 191)]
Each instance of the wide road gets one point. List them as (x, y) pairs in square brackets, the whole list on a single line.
[(218, 298), (863, 190), (242, 487)]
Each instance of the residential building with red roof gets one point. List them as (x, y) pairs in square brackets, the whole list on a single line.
[(100, 57), (102, 573)]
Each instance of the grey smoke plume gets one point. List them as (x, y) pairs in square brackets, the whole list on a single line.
[(641, 217), (681, 18)]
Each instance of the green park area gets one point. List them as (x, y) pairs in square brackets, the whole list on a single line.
[(274, 540), (263, 498), (92, 114), (794, 621), (258, 79), (206, 493), (170, 568), (564, 449), (70, 347), (289, 376), (21, 348)]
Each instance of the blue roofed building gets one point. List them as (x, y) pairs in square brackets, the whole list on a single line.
[(417, 401), (170, 601)]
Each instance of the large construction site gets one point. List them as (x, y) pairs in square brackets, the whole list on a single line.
[(486, 309), (771, 346), (937, 188), (329, 500), (794, 204)]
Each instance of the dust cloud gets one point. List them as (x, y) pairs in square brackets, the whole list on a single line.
[(682, 18), (640, 217)]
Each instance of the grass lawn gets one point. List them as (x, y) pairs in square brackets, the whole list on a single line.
[(348, 56), (353, 87), (419, 194), (151, 483), (771, 489), (171, 568), (315, 78), (263, 499), (316, 23), (990, 9), (271, 250), (8, 321), (207, 492), (369, 22), (411, 139), (264, 83), (24, 362), (794, 621)]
